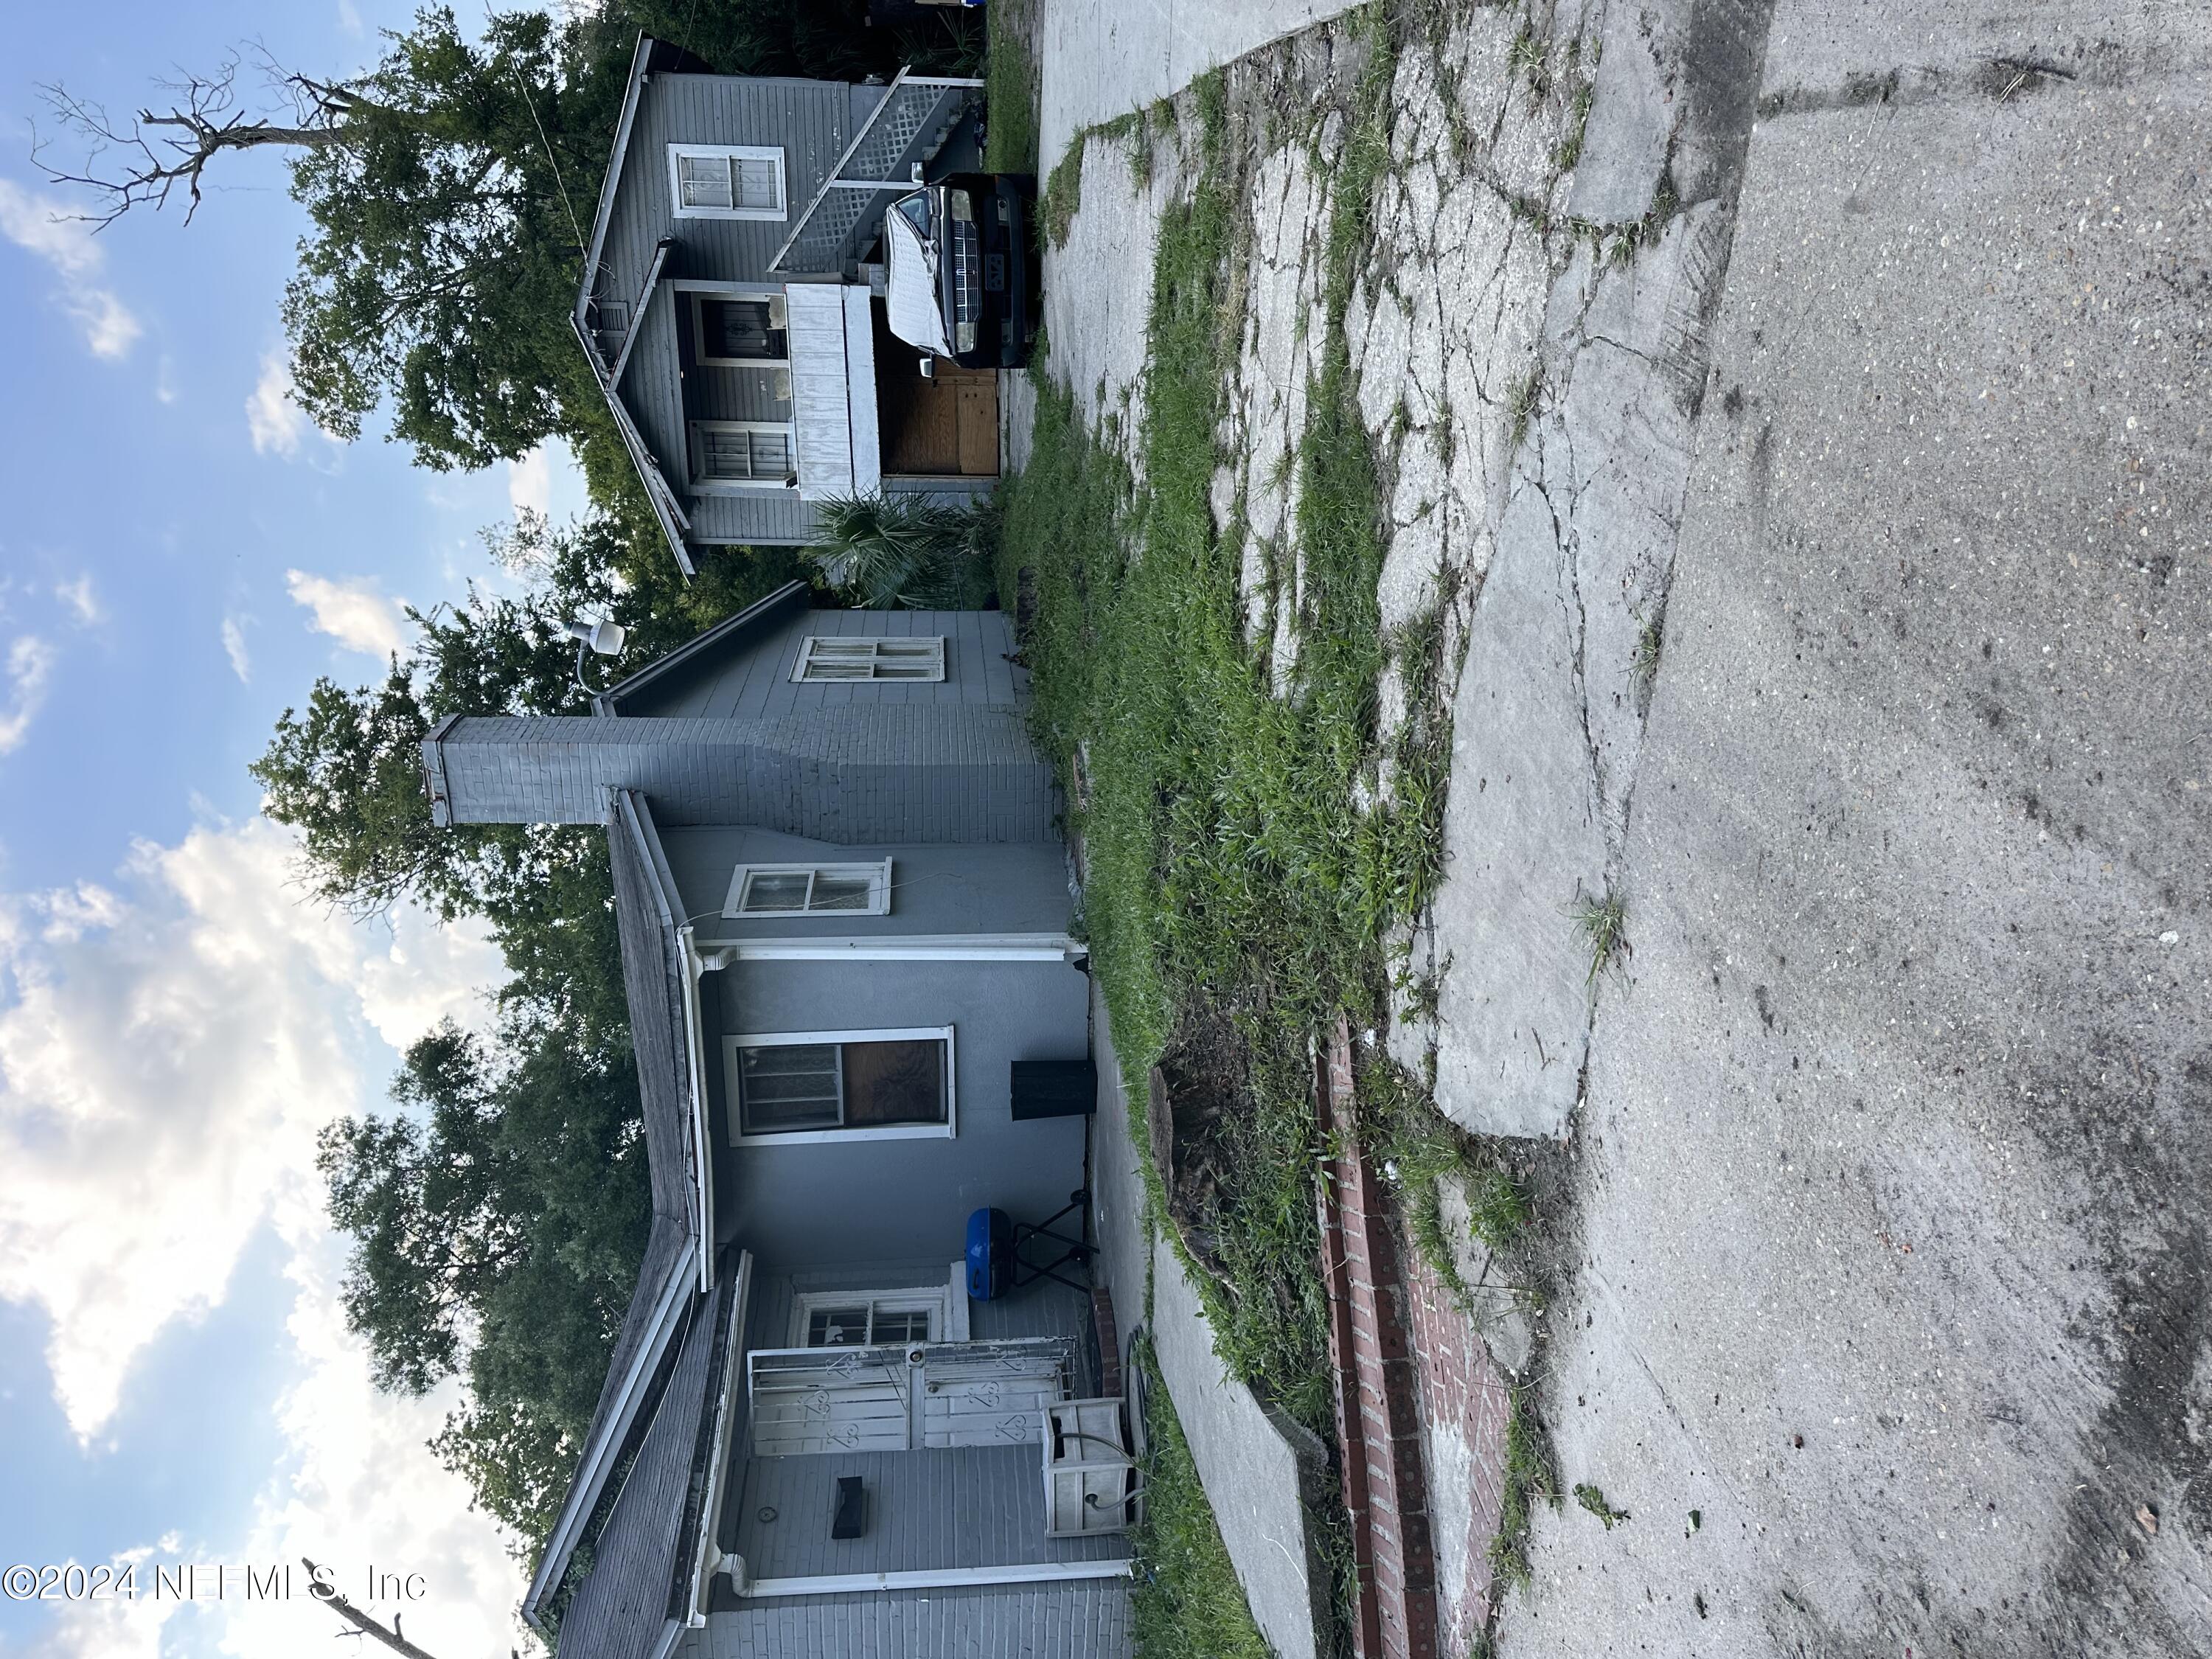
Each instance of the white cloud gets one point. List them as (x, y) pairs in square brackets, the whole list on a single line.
[(350, 19), (276, 422), (233, 646), (351, 611), (171, 1051), (547, 482), (530, 483), (79, 596), (30, 661), (164, 1067), (41, 225)]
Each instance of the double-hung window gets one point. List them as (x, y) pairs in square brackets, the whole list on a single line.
[(741, 454), (810, 890), (826, 1086), (831, 657), (867, 1319), (726, 181)]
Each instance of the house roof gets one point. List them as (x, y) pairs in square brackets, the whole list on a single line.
[(657, 983), (704, 650), (636, 1596)]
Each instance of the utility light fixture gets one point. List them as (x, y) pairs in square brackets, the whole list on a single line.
[(604, 639)]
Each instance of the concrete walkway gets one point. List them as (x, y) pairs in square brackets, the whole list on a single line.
[(1101, 59)]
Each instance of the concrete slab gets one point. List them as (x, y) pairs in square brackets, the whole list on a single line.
[(1102, 61)]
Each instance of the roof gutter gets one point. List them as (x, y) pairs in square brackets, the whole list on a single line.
[(665, 510), (669, 902)]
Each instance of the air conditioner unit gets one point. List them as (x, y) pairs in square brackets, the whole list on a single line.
[(779, 312)]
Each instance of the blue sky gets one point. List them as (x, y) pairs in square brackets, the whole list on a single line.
[(182, 554)]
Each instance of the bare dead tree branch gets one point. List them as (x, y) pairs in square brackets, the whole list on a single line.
[(156, 152)]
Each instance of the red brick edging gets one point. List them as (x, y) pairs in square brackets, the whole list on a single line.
[(1378, 1420)]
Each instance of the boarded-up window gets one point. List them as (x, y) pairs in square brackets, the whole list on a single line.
[(721, 181), (843, 1083), (829, 657)]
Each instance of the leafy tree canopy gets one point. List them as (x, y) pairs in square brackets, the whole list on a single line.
[(498, 1220)]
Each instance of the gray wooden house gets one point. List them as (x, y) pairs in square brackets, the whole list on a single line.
[(732, 302), (844, 911)]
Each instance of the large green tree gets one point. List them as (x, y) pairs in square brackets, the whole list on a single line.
[(498, 1219)]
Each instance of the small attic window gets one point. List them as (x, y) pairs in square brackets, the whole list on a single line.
[(832, 657)]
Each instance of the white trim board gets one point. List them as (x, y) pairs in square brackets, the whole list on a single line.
[(1038, 1572), (898, 947)]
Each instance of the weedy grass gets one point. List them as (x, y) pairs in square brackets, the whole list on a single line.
[(1595, 1501), (1644, 667), (1187, 1600), (1603, 920), (1528, 1481), (1242, 865), (1009, 88)]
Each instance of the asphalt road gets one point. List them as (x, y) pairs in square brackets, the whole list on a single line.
[(1887, 1311)]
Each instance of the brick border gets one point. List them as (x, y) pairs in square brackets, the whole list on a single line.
[(1377, 1389)]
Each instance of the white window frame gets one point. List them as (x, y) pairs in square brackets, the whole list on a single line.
[(678, 153), (700, 299), (734, 1082), (878, 875), (842, 644), (695, 457), (921, 1298)]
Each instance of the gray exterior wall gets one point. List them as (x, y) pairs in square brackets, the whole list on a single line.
[(1016, 888), (1082, 1620), (973, 1506), (730, 739), (825, 1204), (755, 682)]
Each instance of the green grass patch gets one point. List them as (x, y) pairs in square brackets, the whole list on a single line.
[(1009, 88), (1603, 922), (1240, 873), (1528, 1481), (1595, 1501), (1187, 1603)]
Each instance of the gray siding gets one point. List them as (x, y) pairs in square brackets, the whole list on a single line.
[(755, 682), (1020, 888), (854, 772), (1082, 1620), (799, 1205), (977, 1506)]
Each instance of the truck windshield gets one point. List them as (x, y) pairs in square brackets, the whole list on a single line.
[(916, 211)]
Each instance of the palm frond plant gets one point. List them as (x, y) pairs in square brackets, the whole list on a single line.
[(906, 552)]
